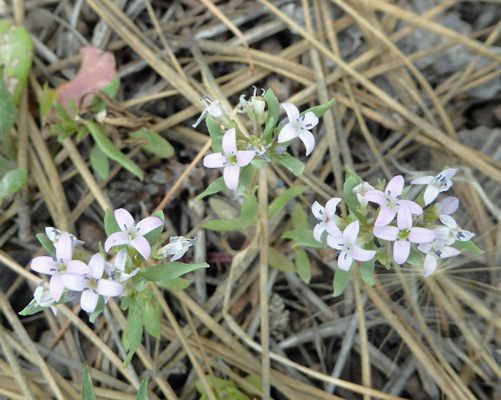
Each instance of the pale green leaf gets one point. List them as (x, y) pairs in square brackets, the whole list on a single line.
[(280, 261), (279, 202), (100, 162), (341, 281), (156, 143), (170, 270)]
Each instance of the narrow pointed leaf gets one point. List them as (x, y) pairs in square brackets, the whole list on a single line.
[(170, 270), (280, 202)]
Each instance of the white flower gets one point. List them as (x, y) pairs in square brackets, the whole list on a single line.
[(43, 298), (216, 109), (456, 233), (360, 191), (326, 217), (436, 184), (254, 107), (435, 251), (55, 234), (116, 271), (298, 126), (177, 247)]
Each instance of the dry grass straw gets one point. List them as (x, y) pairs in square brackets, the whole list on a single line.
[(420, 117)]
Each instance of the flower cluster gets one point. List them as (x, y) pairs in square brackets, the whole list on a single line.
[(98, 277), (400, 225)]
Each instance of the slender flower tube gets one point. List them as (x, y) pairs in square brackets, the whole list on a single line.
[(298, 126), (231, 159), (435, 184), (59, 266), (132, 233), (349, 247), (326, 217)]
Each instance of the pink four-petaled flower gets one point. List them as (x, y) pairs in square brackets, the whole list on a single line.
[(132, 233), (231, 159), (298, 126)]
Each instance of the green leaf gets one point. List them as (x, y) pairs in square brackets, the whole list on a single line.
[(215, 187), (469, 245), (32, 308), (170, 270), (321, 109), (220, 225), (247, 214), (135, 328), (61, 111), (341, 281), (280, 202), (110, 223), (156, 143), (303, 264), (110, 90), (255, 381), (88, 387), (49, 96), (13, 181), (302, 237), (7, 110), (99, 309), (299, 217), (272, 116), (280, 261), (176, 284), (143, 390), (6, 165), (46, 244), (100, 162), (111, 151), (415, 258), (350, 198), (291, 163), (216, 134), (367, 271), (151, 319)]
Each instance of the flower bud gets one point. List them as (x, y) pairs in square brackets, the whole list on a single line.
[(254, 107), (217, 110)]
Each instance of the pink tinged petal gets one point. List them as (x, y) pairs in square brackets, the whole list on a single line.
[(216, 160), (309, 141), (318, 211), (56, 287), (449, 172), (430, 264), (424, 180), (231, 174), (64, 249), (44, 265), (115, 239), (244, 157), (449, 205), (291, 111), (124, 219), (96, 264), (142, 246), (360, 254), (333, 229), (430, 194), (336, 242), (88, 300), (448, 221), (75, 282), (148, 224), (331, 206), (108, 287), (395, 186), (120, 260), (414, 207), (344, 261), (375, 196), (309, 120), (404, 217), (421, 235), (288, 132), (401, 251), (230, 142), (351, 232), (76, 267), (317, 232), (386, 232), (385, 216)]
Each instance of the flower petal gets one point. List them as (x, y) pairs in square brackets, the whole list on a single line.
[(108, 287), (288, 132), (318, 211), (148, 224), (333, 229), (336, 242), (142, 246), (446, 252), (414, 207), (75, 282), (216, 160), (442, 233), (344, 261), (360, 254), (44, 265), (88, 300), (231, 174), (124, 219), (56, 287), (430, 264), (395, 186), (115, 239), (404, 217), (375, 196), (449, 205), (448, 221), (430, 194), (96, 264), (230, 142), (120, 260), (331, 206), (385, 216), (77, 267), (291, 111), (386, 232), (309, 141), (464, 236), (317, 232), (244, 157), (401, 251), (309, 120), (449, 172), (421, 235), (64, 248), (351, 232), (425, 248), (424, 180)]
